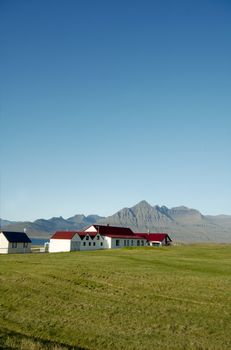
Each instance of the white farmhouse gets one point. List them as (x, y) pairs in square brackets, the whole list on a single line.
[(95, 237), (66, 241), (118, 237), (14, 242)]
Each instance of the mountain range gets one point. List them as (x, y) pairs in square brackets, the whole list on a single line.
[(181, 223)]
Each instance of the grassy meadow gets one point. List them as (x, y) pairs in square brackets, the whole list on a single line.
[(146, 298)]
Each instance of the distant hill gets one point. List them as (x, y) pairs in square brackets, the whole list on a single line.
[(6, 222), (182, 223), (44, 228)]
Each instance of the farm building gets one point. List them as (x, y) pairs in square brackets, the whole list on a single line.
[(66, 241), (156, 239), (103, 237), (14, 242)]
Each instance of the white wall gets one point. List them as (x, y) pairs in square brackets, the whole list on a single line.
[(88, 243), (76, 243), (107, 242), (124, 242), (95, 243), (59, 245), (4, 244)]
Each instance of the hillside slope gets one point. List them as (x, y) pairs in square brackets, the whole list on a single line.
[(182, 223)]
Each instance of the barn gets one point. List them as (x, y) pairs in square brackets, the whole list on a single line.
[(14, 242)]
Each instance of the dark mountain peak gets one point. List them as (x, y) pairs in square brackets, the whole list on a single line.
[(142, 205), (141, 216), (160, 209), (76, 218), (164, 209)]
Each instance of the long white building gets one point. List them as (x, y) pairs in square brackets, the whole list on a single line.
[(104, 237)]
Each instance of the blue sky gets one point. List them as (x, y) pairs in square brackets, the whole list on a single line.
[(106, 103)]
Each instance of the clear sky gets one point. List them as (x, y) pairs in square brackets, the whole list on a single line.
[(106, 103)]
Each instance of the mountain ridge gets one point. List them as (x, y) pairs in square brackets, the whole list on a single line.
[(182, 223)]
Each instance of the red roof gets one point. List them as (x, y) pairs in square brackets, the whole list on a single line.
[(70, 234), (113, 232), (63, 235), (124, 237), (159, 237), (106, 230)]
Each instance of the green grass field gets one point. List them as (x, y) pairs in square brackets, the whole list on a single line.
[(146, 298)]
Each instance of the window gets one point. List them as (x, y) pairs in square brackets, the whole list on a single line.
[(93, 243), (125, 243), (87, 238), (128, 242), (14, 245), (142, 243), (89, 243), (101, 243), (84, 243), (25, 245), (138, 243), (117, 243), (132, 242), (98, 237)]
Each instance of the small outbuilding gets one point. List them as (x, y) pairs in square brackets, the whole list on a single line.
[(14, 242), (156, 239)]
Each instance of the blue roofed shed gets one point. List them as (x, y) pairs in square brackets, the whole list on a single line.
[(14, 242)]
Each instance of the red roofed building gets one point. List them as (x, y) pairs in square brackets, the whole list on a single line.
[(104, 237), (63, 235), (156, 239), (112, 230), (66, 241)]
